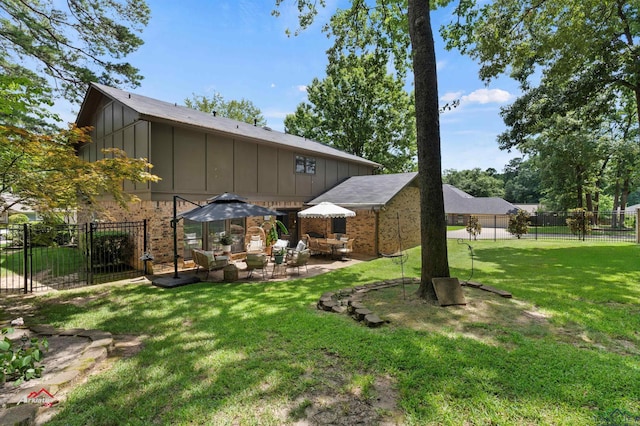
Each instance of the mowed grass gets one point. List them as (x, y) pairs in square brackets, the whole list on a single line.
[(260, 353)]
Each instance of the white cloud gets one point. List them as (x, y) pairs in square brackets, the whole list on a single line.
[(302, 88), (485, 96), (480, 96), (451, 96), (272, 85)]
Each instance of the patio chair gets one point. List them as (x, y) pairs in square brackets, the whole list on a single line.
[(299, 258), (255, 245), (208, 261), (346, 249), (256, 261)]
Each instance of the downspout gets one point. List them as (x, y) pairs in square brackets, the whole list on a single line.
[(377, 234)]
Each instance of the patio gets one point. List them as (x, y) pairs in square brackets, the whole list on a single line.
[(317, 265)]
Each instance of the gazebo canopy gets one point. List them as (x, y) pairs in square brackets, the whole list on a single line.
[(326, 210)]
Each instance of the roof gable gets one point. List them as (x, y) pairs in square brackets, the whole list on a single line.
[(458, 201), (366, 191), (156, 110)]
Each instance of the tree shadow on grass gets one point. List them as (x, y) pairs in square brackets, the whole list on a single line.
[(247, 353)]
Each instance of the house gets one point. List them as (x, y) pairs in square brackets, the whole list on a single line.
[(200, 155), (387, 212), (459, 206)]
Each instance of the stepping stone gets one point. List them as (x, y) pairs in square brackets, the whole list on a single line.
[(338, 309), (359, 314), (355, 306), (472, 284), (448, 291), (328, 305), (372, 320)]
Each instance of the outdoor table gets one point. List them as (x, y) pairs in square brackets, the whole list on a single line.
[(335, 245)]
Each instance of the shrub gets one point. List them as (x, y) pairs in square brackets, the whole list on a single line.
[(18, 219), (474, 228), (518, 223), (111, 248), (579, 221), (19, 363)]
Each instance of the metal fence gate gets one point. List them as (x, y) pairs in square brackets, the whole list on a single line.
[(39, 257)]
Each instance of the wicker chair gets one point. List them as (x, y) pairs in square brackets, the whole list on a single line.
[(256, 261), (298, 259), (208, 261), (346, 249)]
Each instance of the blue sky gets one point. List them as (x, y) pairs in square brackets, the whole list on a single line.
[(236, 48)]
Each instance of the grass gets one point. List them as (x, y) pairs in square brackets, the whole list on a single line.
[(60, 260), (263, 354)]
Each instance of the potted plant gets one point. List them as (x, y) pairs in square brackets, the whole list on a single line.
[(225, 242), (278, 255), (271, 232)]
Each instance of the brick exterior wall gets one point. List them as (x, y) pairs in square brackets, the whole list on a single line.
[(159, 215), (364, 227), (406, 205)]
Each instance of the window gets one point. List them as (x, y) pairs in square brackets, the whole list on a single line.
[(339, 225), (305, 165)]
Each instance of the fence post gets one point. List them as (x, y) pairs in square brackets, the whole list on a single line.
[(144, 243), (90, 253), (637, 226), (584, 225), (495, 227), (25, 255)]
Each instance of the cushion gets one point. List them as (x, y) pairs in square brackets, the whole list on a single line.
[(256, 238), (255, 245), (281, 243), (301, 246), (344, 239)]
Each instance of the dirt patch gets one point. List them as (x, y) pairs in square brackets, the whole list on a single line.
[(485, 317), (344, 398)]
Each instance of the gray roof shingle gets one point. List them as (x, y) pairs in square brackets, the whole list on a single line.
[(364, 192), (459, 202), (375, 191), (156, 110)]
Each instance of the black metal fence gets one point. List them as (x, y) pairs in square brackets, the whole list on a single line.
[(38, 257), (582, 226)]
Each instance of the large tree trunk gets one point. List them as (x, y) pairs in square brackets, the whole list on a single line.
[(433, 227)]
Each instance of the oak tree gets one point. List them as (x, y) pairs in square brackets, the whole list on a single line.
[(403, 29), (362, 109)]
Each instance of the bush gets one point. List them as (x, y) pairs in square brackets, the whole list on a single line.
[(50, 232), (519, 223), (111, 248), (579, 221), (19, 363), (474, 228), (18, 219)]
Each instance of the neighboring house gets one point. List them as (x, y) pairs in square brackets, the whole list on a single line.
[(16, 208), (200, 155), (459, 206), (387, 212)]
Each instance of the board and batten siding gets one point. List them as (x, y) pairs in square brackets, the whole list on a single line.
[(116, 126), (198, 163), (194, 162)]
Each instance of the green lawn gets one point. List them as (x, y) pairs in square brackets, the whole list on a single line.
[(60, 260), (261, 353)]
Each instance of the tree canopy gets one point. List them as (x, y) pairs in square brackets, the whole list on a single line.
[(402, 29), (52, 49), (361, 109), (577, 64), (243, 110), (69, 44), (475, 182)]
